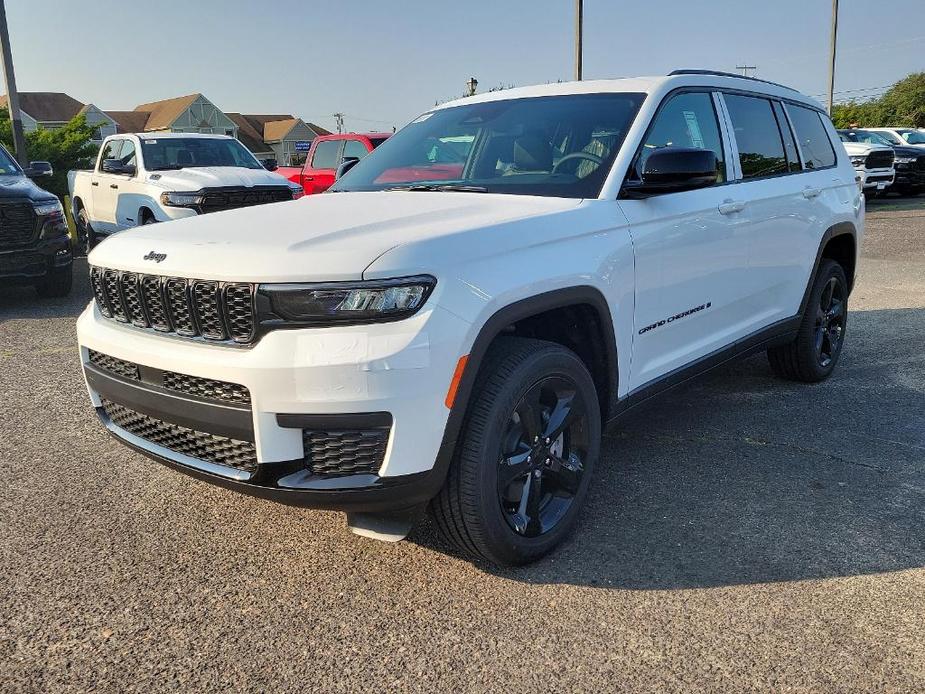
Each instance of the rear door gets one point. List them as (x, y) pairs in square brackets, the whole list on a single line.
[(779, 210), (321, 166), (691, 249)]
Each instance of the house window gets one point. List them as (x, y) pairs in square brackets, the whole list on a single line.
[(229, 132)]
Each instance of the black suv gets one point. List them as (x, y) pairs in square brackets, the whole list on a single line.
[(909, 162), (34, 244)]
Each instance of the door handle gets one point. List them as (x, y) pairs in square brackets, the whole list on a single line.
[(811, 192), (113, 185), (94, 183), (731, 206)]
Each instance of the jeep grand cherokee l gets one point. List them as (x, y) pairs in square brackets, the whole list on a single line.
[(460, 344)]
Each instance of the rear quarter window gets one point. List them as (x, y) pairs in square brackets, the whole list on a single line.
[(815, 144)]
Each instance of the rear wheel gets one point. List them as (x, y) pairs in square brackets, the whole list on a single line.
[(525, 457), (87, 238), (812, 356)]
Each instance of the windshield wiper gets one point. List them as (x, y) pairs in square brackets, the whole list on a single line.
[(440, 188)]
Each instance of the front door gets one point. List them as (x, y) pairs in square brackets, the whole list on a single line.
[(321, 166), (691, 250), (106, 190)]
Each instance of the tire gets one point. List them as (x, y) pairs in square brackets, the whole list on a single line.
[(148, 219), (87, 238), (511, 494), (812, 355), (56, 283)]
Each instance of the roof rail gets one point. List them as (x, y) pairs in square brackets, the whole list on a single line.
[(720, 73)]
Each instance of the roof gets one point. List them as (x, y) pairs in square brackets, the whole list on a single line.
[(276, 130), (47, 106), (164, 113), (129, 121), (660, 84), (248, 134)]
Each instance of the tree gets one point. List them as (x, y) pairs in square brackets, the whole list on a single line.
[(68, 147), (859, 114), (904, 102)]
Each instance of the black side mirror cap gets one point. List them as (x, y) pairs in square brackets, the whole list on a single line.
[(345, 166), (674, 170), (270, 164)]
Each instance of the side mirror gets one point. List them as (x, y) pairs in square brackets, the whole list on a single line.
[(113, 166), (39, 169), (674, 170), (345, 166), (270, 164)]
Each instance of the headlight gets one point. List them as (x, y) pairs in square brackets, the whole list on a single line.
[(180, 199), (49, 209), (858, 161), (297, 191), (905, 160), (347, 302)]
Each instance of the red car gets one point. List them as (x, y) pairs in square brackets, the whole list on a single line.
[(326, 154)]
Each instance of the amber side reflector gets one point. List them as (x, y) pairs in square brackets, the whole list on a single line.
[(457, 377)]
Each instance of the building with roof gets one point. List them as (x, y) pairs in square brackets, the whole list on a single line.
[(282, 137), (52, 110)]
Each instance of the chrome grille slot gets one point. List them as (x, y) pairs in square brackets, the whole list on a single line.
[(96, 281), (239, 314), (113, 295), (153, 296), (178, 304), (132, 299), (208, 311)]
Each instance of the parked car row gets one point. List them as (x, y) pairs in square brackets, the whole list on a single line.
[(887, 159)]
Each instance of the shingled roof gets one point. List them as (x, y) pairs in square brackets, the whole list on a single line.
[(130, 121), (248, 134), (55, 107), (164, 113)]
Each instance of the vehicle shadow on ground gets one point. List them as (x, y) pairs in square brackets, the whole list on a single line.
[(741, 477), (22, 303)]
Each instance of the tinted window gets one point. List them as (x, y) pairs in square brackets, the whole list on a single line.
[(127, 153), (7, 164), (162, 153), (355, 148), (790, 147), (325, 156), (377, 141), (686, 120), (110, 151), (814, 140), (558, 146), (761, 150)]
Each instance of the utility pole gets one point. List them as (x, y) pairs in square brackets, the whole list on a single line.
[(832, 54), (579, 38), (745, 69), (339, 117), (12, 96)]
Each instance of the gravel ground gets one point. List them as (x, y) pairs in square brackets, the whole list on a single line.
[(742, 534)]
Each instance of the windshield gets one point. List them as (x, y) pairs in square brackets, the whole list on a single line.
[(185, 152), (865, 136), (8, 165), (555, 146), (890, 137), (913, 137)]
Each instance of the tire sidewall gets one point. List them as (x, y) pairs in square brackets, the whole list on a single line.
[(827, 270), (555, 361)]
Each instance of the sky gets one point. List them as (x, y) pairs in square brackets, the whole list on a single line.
[(384, 62)]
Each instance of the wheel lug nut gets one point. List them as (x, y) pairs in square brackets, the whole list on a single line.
[(537, 474), (529, 459), (547, 441)]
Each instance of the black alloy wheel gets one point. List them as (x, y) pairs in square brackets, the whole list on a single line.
[(830, 321), (542, 456)]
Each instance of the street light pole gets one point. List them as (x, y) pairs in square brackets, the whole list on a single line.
[(832, 55), (579, 30), (12, 96)]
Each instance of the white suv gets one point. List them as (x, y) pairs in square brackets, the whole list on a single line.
[(455, 323)]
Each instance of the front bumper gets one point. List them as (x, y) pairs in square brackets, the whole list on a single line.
[(298, 381), (27, 265), (907, 176), (876, 179)]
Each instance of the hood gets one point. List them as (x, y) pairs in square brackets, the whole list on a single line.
[(328, 237), (198, 177), (859, 148), (902, 151), (19, 186)]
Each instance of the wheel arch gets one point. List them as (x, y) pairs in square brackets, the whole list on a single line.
[(144, 210), (505, 321), (839, 242)]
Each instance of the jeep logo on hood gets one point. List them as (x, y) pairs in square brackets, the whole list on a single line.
[(156, 257)]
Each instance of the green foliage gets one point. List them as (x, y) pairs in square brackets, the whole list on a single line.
[(903, 105), (68, 147)]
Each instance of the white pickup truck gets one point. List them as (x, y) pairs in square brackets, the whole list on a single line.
[(156, 177), (873, 163)]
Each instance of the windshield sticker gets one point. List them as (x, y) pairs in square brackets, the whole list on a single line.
[(693, 128), (150, 142)]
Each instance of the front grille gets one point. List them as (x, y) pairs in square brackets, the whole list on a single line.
[(119, 367), (344, 452), (21, 263), (879, 160), (217, 311), (219, 200), (920, 164), (209, 388), (17, 224), (220, 450)]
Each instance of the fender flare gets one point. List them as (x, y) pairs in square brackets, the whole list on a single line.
[(492, 328), (840, 229)]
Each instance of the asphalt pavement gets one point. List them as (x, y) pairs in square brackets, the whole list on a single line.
[(743, 534)]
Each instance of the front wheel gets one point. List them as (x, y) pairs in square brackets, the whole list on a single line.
[(56, 283), (524, 460)]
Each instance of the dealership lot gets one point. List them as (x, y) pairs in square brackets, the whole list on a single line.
[(743, 532)]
